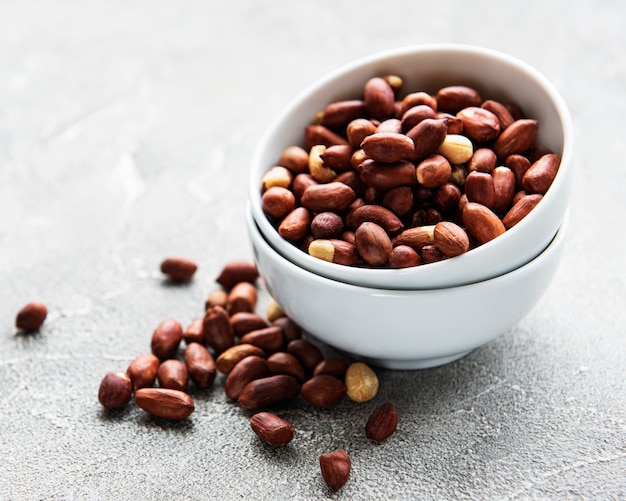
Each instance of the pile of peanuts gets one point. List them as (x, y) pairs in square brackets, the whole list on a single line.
[(390, 181), (264, 362)]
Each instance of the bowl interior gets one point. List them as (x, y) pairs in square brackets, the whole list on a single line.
[(496, 76)]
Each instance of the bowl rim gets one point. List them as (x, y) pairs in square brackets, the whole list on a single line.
[(360, 275), (259, 239)]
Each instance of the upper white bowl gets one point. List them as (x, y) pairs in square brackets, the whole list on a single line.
[(404, 329), (496, 76)]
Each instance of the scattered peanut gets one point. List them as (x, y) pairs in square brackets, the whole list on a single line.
[(361, 382), (266, 362)]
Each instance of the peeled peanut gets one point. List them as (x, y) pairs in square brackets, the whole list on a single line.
[(317, 168), (456, 148), (361, 382), (276, 176), (273, 311)]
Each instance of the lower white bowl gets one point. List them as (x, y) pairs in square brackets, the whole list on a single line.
[(404, 329)]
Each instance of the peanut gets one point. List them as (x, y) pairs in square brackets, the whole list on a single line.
[(115, 390), (143, 370), (173, 374), (388, 147), (165, 403), (272, 429), (166, 338), (317, 168), (382, 423), (335, 467), (481, 222), (31, 316), (268, 391), (178, 269), (457, 148), (373, 244), (235, 272), (276, 176), (324, 391), (405, 164), (361, 382), (200, 365)]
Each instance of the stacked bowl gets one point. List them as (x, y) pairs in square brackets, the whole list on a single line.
[(428, 315)]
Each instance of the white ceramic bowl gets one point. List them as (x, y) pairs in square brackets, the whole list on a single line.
[(495, 76), (404, 329)]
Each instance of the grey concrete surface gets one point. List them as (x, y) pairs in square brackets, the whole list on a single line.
[(126, 129)]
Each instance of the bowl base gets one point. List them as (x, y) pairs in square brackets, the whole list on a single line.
[(406, 365)]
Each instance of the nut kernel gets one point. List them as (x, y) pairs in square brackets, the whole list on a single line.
[(115, 390), (276, 176), (335, 468), (361, 382), (456, 148), (31, 316), (272, 429), (318, 170), (273, 310), (382, 423), (178, 269)]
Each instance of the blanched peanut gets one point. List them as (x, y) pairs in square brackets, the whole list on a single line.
[(319, 171), (361, 382), (276, 176), (456, 148)]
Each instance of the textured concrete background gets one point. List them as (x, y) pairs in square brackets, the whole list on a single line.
[(126, 130)]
